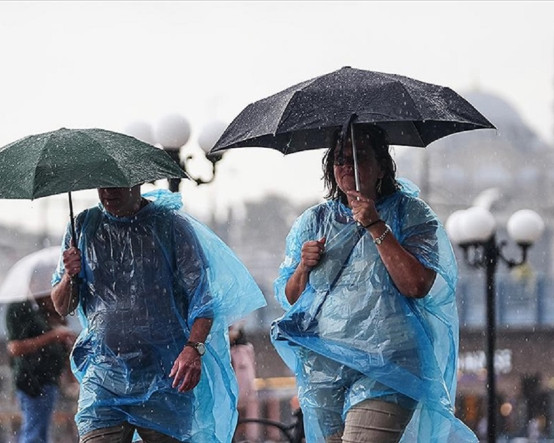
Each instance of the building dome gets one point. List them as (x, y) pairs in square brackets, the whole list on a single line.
[(453, 170), (506, 118), (494, 107)]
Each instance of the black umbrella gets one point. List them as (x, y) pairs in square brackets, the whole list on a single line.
[(309, 114)]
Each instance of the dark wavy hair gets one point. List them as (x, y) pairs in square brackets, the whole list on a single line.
[(367, 137)]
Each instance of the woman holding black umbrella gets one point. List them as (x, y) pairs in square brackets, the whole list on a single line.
[(371, 328)]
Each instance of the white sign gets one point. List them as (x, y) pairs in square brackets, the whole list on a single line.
[(476, 362)]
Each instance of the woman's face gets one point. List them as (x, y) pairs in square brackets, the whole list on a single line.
[(369, 170)]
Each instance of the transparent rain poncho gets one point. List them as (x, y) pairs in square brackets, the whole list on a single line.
[(352, 336), (146, 278)]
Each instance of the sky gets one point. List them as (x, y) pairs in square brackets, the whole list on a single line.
[(110, 64)]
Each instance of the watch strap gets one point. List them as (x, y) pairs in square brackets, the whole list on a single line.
[(198, 346), (380, 239)]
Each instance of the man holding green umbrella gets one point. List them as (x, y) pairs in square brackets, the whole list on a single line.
[(158, 293), (155, 290)]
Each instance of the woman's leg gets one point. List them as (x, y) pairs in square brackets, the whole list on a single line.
[(375, 421), (335, 438), (151, 436)]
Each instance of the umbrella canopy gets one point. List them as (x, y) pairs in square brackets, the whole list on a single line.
[(30, 277), (73, 159), (68, 160), (309, 114)]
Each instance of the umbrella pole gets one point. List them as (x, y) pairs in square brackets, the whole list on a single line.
[(71, 219), (75, 280), (355, 159)]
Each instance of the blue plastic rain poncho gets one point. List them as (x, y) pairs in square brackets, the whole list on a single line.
[(146, 278), (352, 336)]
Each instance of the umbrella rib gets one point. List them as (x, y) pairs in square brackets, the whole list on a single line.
[(106, 153), (285, 114), (42, 155), (417, 133), (414, 105)]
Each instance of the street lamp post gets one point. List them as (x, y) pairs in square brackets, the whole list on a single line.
[(473, 230), (172, 132)]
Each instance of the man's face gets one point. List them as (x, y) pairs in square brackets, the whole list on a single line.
[(121, 202)]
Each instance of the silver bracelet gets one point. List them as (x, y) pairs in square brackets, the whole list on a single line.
[(380, 239)]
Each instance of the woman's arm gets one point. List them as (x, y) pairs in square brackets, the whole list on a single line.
[(310, 256), (411, 278)]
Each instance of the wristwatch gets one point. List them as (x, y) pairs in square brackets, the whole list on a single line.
[(200, 347), (380, 239)]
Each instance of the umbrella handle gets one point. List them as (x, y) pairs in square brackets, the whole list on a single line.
[(72, 219), (75, 281), (355, 158)]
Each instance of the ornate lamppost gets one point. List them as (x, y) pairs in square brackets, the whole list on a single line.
[(172, 133), (473, 230)]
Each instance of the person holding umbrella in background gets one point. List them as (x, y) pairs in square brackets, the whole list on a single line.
[(157, 293), (38, 344), (371, 321)]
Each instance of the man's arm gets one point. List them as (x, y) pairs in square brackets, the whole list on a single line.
[(187, 368), (191, 265), (18, 348), (65, 293)]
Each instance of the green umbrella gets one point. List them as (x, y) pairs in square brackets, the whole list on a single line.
[(69, 160)]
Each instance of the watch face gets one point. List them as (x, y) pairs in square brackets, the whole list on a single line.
[(201, 348)]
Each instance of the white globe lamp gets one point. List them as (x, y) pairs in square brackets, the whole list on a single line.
[(477, 225), (172, 131), (453, 227), (141, 130), (525, 226)]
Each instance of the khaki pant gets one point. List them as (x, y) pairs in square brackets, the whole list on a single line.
[(124, 434), (373, 421)]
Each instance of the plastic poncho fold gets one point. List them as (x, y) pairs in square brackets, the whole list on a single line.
[(145, 279), (352, 336)]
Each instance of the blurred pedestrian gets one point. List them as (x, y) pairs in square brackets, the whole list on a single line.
[(243, 360), (157, 294), (38, 346)]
